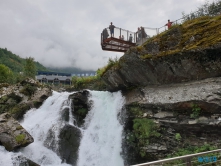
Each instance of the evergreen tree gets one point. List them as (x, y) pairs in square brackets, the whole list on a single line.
[(6, 75), (30, 68)]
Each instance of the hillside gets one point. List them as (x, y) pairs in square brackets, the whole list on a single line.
[(14, 62)]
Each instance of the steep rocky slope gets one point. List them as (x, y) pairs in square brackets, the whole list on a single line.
[(172, 85), (186, 52)]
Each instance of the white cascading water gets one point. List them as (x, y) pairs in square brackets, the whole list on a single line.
[(101, 141), (102, 135)]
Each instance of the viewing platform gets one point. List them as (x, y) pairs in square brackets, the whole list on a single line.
[(120, 41)]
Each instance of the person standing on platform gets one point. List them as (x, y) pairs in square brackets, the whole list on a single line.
[(111, 27)]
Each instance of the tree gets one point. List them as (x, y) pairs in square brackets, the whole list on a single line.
[(30, 68), (6, 75)]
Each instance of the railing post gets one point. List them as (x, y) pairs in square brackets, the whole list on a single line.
[(120, 33), (135, 38), (188, 161), (127, 35)]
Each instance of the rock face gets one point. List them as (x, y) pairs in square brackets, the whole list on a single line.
[(22, 161), (69, 143), (12, 134), (187, 52), (172, 87), (175, 68), (17, 99), (81, 106), (186, 114)]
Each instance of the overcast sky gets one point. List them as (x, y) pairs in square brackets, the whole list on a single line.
[(66, 33)]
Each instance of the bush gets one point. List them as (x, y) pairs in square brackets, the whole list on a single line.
[(28, 90), (143, 130)]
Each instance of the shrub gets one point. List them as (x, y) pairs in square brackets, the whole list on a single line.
[(143, 130), (178, 137), (195, 111)]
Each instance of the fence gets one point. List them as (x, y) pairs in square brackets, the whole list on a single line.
[(155, 31), (139, 39), (119, 33), (199, 159)]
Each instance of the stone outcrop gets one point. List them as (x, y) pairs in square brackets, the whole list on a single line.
[(23, 161), (81, 106), (172, 85), (183, 53), (17, 99), (67, 144), (187, 114), (184, 66), (12, 134)]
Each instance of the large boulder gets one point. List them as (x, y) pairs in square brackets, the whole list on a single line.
[(12, 134), (67, 144)]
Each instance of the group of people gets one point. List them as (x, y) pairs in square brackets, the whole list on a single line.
[(140, 32)]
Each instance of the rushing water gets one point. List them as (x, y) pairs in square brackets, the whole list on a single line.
[(101, 136)]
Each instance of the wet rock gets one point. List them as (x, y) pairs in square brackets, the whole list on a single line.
[(69, 141), (81, 105), (66, 145), (23, 161), (12, 134)]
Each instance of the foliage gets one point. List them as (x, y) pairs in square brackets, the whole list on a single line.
[(143, 130), (6, 75), (82, 111), (30, 68), (28, 89), (111, 63), (135, 110), (207, 9), (14, 62), (190, 150), (195, 111), (20, 138), (178, 137), (91, 82)]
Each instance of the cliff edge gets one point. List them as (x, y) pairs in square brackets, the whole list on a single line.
[(186, 52)]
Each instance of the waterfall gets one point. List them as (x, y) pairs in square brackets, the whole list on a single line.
[(101, 141), (101, 135)]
